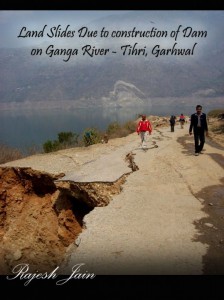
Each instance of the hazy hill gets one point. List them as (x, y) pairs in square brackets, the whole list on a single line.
[(25, 78), (22, 79)]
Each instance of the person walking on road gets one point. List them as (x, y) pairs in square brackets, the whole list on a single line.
[(144, 127), (182, 120), (172, 123), (199, 126)]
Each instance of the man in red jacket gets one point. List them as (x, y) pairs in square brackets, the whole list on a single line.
[(143, 127)]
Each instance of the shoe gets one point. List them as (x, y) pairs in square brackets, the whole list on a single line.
[(196, 154)]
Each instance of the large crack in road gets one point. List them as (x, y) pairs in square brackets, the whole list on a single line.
[(41, 215)]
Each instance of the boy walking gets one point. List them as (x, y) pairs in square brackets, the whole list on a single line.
[(144, 127)]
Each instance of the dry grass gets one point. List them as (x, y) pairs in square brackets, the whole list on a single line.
[(215, 113), (116, 130), (216, 130), (9, 154)]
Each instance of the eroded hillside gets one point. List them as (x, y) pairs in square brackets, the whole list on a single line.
[(39, 218)]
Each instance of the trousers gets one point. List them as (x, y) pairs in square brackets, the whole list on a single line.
[(143, 135), (199, 139)]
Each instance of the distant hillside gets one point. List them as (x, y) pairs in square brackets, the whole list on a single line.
[(25, 78)]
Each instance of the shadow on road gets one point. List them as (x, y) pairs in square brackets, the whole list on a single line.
[(210, 229)]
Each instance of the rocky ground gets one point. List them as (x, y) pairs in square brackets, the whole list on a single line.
[(116, 207)]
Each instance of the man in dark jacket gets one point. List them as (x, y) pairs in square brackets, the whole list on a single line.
[(199, 126), (172, 123)]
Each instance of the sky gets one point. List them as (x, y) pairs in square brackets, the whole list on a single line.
[(11, 22)]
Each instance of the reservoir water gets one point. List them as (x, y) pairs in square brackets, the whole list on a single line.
[(24, 129)]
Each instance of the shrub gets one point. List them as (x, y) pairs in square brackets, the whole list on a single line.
[(65, 140), (91, 136), (49, 146)]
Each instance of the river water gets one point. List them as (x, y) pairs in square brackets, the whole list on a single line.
[(25, 129)]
